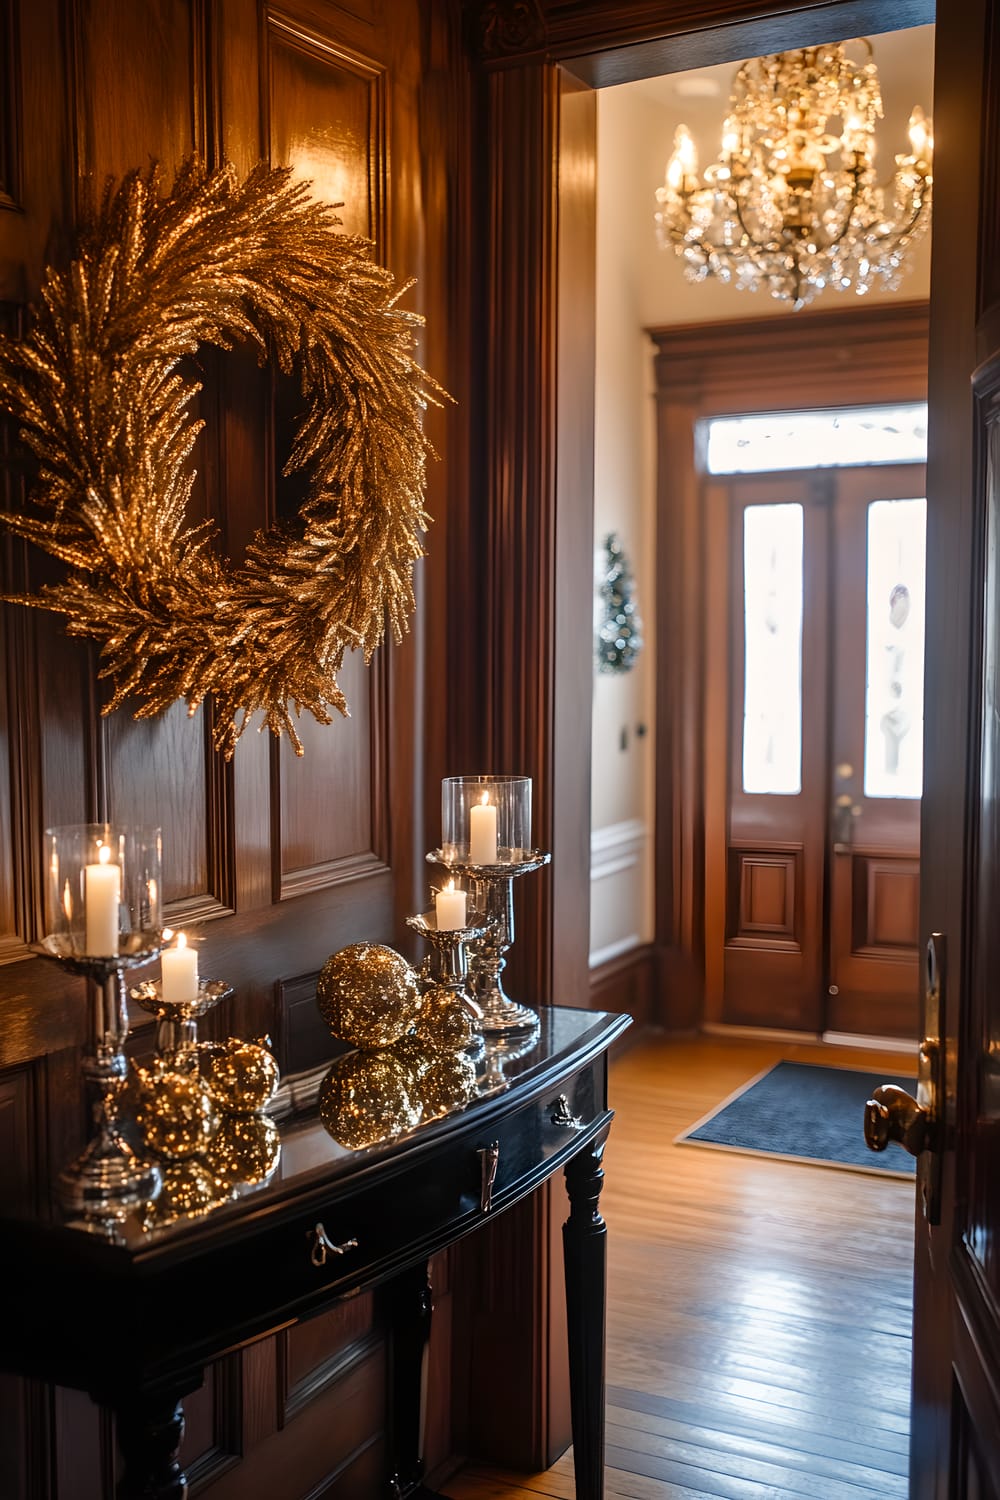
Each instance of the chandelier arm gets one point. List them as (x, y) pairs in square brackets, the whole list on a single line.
[(896, 230), (852, 205)]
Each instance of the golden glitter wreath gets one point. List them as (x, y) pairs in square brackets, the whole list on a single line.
[(97, 391)]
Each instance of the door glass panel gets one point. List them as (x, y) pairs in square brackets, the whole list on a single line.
[(894, 697), (816, 439), (772, 626)]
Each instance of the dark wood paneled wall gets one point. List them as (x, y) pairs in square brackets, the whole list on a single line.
[(273, 861)]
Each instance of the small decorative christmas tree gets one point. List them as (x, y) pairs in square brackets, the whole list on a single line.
[(619, 636)]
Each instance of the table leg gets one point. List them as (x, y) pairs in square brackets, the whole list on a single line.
[(150, 1429), (409, 1305), (585, 1256)]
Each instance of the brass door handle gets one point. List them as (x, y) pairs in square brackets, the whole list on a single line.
[(892, 1114), (919, 1125), (846, 813)]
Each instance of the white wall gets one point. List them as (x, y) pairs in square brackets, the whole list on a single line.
[(640, 286)]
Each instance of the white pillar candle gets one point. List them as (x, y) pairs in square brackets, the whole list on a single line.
[(483, 832), (449, 905), (101, 897), (179, 973)]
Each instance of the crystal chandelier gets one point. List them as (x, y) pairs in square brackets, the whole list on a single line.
[(793, 203)]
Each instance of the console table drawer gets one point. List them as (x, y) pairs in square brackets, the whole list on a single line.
[(412, 1212)]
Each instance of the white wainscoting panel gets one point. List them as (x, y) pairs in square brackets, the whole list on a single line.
[(619, 877)]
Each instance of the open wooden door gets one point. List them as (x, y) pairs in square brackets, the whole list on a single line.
[(956, 1384)]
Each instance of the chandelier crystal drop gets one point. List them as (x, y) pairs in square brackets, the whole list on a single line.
[(793, 204)]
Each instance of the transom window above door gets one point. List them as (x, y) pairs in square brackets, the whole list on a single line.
[(841, 437)]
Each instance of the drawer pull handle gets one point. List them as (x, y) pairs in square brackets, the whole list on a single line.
[(489, 1158), (322, 1246), (563, 1116)]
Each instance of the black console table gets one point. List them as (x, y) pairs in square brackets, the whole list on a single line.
[(134, 1323)]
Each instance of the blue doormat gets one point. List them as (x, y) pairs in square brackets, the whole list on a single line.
[(804, 1112)]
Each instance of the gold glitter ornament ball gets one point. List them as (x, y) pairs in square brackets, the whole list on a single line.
[(243, 1077), (449, 1083), (368, 995), (446, 1024), (245, 1151), (365, 1098), (188, 1191), (176, 1114), (413, 1054)]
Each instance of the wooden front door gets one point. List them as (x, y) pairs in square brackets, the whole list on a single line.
[(826, 574)]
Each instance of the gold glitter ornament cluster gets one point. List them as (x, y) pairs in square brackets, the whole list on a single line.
[(99, 394)]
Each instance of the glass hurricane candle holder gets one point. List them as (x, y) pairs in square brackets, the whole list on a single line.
[(103, 891), (485, 820), (102, 903)]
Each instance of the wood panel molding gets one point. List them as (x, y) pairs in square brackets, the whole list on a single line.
[(19, 1155), (765, 891), (507, 28), (629, 983), (762, 364), (977, 1330), (282, 30), (641, 38), (172, 116), (20, 793), (300, 790), (336, 1362), (518, 345), (10, 108), (215, 1415), (886, 901), (988, 300)]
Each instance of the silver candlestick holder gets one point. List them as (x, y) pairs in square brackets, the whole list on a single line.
[(110, 1177), (447, 964), (177, 1042), (493, 893)]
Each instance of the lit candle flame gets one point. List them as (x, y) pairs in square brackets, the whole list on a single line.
[(684, 161), (104, 854), (451, 884), (484, 800), (182, 941), (920, 132)]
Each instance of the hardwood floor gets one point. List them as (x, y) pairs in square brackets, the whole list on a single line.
[(758, 1311)]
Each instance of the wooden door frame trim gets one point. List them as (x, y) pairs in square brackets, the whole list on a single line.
[(706, 370)]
